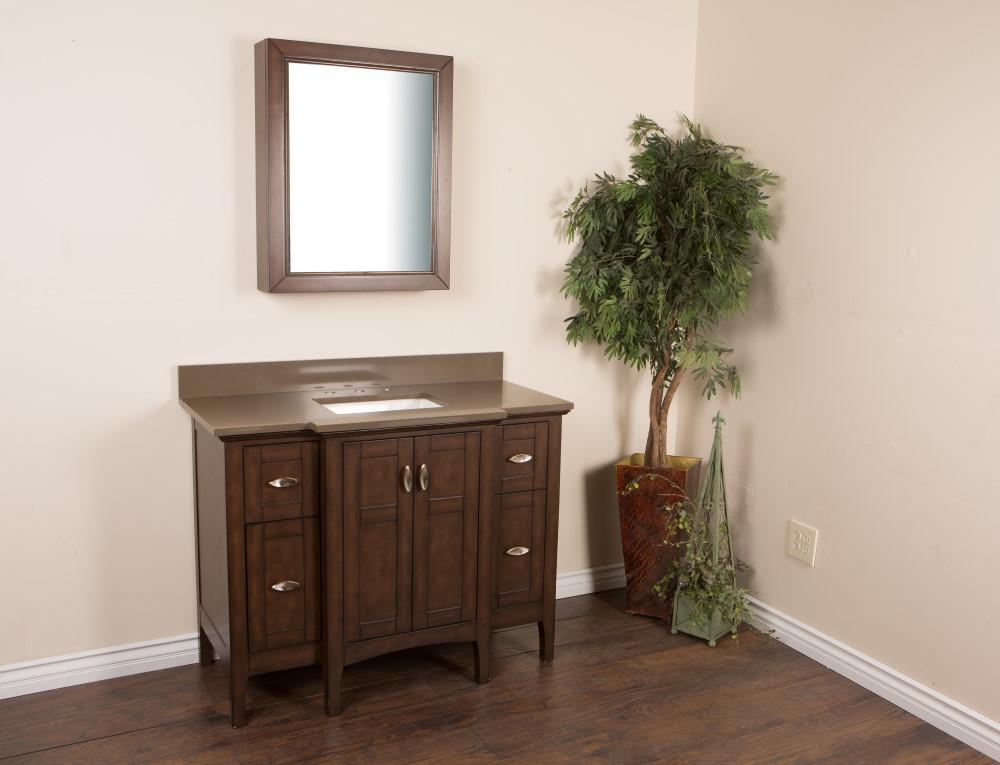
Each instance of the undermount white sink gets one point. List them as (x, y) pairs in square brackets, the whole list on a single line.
[(380, 405)]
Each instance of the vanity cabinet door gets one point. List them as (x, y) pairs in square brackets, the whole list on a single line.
[(445, 528), (378, 528)]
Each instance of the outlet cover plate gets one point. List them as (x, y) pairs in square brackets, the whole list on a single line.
[(802, 542)]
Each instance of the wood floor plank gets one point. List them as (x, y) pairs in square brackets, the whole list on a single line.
[(113, 707), (621, 690), (379, 709)]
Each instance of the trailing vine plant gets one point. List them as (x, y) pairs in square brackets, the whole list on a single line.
[(703, 570)]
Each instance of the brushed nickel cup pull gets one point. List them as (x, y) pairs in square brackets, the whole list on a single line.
[(425, 478), (519, 458), (408, 479), (284, 482), (516, 551), (287, 586)]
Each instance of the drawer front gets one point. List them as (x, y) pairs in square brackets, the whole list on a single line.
[(518, 548), (523, 456), (279, 481), (283, 583)]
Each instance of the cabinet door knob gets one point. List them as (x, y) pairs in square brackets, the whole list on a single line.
[(519, 458), (287, 586), (516, 551), (408, 479), (284, 482), (425, 478)]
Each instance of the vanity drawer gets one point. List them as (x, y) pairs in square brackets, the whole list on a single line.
[(523, 456), (280, 481), (283, 583), (518, 548)]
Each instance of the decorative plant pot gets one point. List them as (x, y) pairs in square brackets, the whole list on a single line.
[(708, 629), (640, 511)]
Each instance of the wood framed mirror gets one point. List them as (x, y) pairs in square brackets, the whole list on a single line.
[(353, 168)]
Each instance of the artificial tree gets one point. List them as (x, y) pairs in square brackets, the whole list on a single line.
[(665, 254)]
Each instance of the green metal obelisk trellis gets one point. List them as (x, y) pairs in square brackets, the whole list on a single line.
[(711, 546)]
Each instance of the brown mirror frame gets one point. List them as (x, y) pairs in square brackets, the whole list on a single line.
[(271, 58)]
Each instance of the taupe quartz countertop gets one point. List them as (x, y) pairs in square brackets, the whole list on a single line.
[(277, 397)]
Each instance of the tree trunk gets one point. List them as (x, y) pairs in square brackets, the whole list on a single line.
[(661, 440), (668, 398), (659, 408), (655, 444)]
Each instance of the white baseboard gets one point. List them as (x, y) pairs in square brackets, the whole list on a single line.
[(118, 661), (943, 713), (100, 664), (589, 580), (932, 707)]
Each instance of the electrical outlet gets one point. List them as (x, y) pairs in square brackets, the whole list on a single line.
[(802, 541)]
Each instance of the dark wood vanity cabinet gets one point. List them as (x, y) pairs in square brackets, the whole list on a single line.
[(331, 549)]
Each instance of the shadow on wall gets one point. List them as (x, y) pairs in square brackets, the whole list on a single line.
[(625, 379), (140, 495), (601, 507), (694, 424), (599, 490), (244, 167)]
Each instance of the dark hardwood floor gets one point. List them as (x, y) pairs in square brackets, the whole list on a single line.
[(621, 690)]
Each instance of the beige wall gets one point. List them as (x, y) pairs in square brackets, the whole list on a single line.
[(871, 352), (127, 214)]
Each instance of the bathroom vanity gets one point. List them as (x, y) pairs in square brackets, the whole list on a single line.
[(349, 508)]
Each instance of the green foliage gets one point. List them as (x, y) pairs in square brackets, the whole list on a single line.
[(703, 565), (703, 569), (665, 254)]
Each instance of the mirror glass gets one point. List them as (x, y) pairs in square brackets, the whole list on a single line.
[(360, 169)]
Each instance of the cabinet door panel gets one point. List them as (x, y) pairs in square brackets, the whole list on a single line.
[(445, 528), (445, 551), (286, 554), (378, 516), (518, 548)]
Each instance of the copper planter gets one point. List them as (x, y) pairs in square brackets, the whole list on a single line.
[(641, 511)]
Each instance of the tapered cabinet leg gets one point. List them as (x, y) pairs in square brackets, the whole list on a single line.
[(238, 694), (332, 689), (547, 626), (547, 638), (481, 649), (332, 521), (206, 654)]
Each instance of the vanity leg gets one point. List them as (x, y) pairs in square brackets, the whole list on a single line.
[(332, 689), (238, 676), (547, 636), (332, 524), (547, 625), (206, 654), (481, 648)]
